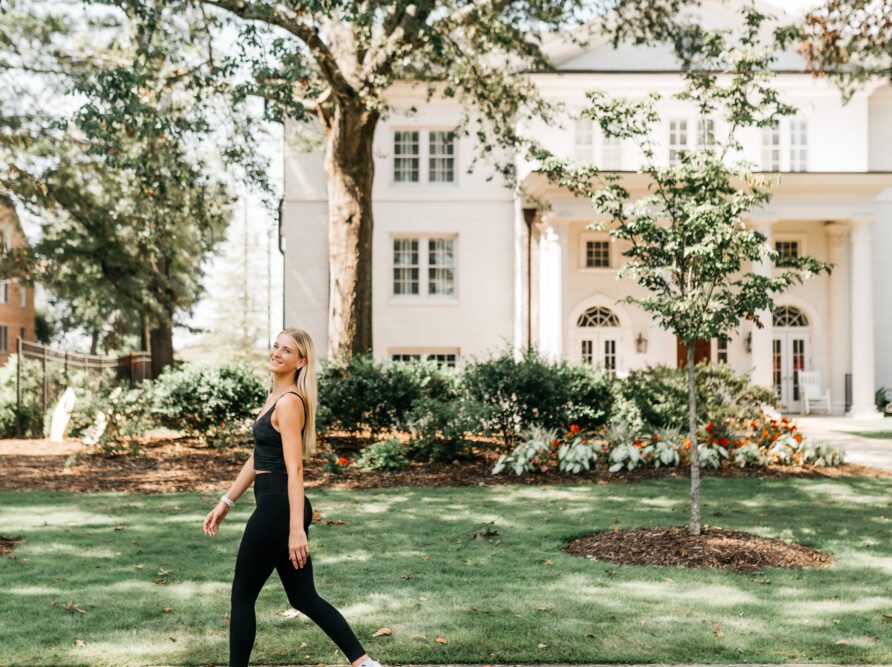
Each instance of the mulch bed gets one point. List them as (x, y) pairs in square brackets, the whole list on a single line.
[(183, 464), (715, 548)]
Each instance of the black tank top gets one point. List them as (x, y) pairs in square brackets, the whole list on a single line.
[(268, 455)]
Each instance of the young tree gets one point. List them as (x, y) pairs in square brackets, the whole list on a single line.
[(332, 62), (688, 241)]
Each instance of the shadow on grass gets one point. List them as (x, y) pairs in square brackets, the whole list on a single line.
[(404, 558)]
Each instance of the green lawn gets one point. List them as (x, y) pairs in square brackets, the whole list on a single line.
[(495, 599)]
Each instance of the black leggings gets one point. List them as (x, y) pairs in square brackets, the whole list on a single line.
[(264, 546)]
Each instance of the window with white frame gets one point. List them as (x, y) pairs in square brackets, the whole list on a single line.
[(441, 159), (4, 291), (406, 156), (424, 156), (4, 338), (611, 153), (424, 266), (678, 139), (705, 132), (405, 357), (597, 254), (787, 249), (583, 140), (441, 266), (23, 295), (406, 267), (798, 144), (448, 359), (771, 148), (721, 350)]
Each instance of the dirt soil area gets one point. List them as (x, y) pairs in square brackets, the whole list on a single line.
[(715, 548), (188, 465)]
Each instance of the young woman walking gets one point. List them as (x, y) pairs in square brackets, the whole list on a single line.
[(277, 531)]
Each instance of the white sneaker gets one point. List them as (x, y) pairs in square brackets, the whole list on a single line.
[(369, 663)]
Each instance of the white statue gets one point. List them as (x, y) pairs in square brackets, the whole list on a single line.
[(61, 415)]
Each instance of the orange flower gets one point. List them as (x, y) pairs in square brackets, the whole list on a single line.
[(342, 461), (765, 432), (798, 437)]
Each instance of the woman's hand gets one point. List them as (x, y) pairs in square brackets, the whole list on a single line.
[(214, 517), (298, 549)]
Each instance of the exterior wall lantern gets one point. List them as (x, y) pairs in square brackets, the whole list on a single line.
[(641, 344), (748, 342)]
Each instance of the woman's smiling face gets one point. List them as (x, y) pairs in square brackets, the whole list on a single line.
[(284, 357)]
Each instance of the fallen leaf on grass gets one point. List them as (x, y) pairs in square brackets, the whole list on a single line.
[(167, 610), (406, 576), (72, 607), (290, 613), (303, 645), (334, 522), (317, 516), (173, 639), (542, 645), (542, 608), (887, 618), (418, 636), (382, 631), (160, 582), (139, 567), (79, 642), (163, 573), (842, 642), (442, 640)]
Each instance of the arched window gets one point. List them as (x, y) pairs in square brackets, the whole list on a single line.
[(598, 316), (788, 316)]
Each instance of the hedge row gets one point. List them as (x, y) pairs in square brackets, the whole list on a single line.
[(440, 408)]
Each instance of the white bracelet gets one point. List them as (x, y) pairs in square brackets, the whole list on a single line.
[(226, 499)]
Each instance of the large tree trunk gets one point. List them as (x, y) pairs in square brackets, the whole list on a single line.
[(161, 342), (695, 449), (350, 168)]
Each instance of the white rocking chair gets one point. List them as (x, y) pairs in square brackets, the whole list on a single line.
[(812, 395)]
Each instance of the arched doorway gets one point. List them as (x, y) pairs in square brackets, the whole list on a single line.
[(599, 338), (790, 353)]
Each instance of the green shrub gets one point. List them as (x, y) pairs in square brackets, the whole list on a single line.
[(440, 428), (362, 394), (91, 390), (660, 395), (204, 400), (518, 393), (127, 418), (32, 393), (386, 455)]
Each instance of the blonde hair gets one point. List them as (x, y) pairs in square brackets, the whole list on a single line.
[(305, 379)]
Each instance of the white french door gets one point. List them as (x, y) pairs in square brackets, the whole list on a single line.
[(601, 348), (790, 353)]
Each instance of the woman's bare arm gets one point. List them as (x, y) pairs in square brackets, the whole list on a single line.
[(244, 480), (290, 416)]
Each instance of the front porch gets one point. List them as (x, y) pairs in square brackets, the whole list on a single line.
[(575, 310)]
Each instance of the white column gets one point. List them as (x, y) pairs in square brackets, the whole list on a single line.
[(762, 359), (551, 288), (519, 275), (863, 368), (840, 326)]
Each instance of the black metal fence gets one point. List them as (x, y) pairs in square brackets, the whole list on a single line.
[(133, 367)]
